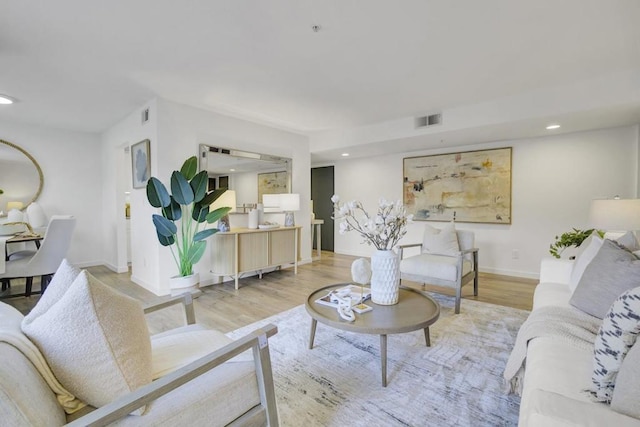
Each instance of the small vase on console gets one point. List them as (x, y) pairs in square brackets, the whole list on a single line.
[(385, 277)]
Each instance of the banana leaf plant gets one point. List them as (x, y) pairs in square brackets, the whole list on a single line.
[(185, 214)]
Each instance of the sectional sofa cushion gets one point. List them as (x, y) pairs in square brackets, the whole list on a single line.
[(442, 242), (95, 340), (626, 394), (611, 272), (617, 334), (588, 250)]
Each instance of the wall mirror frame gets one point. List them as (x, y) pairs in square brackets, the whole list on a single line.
[(226, 166), (21, 178)]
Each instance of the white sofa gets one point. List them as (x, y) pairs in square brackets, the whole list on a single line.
[(557, 372), (210, 390)]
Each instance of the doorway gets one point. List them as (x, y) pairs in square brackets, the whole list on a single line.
[(322, 188)]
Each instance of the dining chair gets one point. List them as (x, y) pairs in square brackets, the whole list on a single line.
[(45, 261)]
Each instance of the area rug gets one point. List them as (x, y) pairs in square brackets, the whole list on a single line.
[(456, 382)]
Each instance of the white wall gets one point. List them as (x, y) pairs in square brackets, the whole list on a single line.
[(71, 165), (175, 135), (116, 179), (553, 181)]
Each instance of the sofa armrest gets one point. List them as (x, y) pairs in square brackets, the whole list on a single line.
[(256, 340), (554, 270), (185, 299)]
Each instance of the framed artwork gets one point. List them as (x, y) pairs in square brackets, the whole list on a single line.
[(272, 183), (470, 186), (140, 163)]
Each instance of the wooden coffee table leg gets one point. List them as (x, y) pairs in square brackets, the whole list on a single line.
[(383, 359), (427, 338), (314, 323)]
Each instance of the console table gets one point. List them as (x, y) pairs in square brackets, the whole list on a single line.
[(242, 250)]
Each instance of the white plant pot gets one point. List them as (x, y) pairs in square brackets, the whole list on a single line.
[(385, 277), (181, 284)]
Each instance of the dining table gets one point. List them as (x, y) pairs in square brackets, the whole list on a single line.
[(18, 238)]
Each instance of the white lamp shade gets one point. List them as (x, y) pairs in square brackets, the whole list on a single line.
[(615, 214), (290, 202), (228, 199), (271, 202)]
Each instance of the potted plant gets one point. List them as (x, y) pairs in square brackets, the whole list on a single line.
[(182, 224), (574, 237)]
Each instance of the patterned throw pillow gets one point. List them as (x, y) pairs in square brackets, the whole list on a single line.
[(617, 334)]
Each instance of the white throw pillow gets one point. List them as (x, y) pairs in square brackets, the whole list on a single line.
[(591, 246), (444, 242), (618, 333), (95, 340), (61, 281)]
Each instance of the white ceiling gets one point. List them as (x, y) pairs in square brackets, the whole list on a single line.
[(85, 64)]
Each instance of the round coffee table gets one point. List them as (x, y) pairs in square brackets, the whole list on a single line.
[(413, 311)]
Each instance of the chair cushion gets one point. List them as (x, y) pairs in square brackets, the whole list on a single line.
[(95, 341), (443, 241), (25, 397), (176, 348), (611, 272), (440, 267)]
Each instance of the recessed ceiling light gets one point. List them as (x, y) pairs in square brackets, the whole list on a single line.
[(232, 170), (345, 154), (6, 100), (550, 127)]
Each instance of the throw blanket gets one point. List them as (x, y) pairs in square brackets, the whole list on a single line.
[(11, 334), (567, 323)]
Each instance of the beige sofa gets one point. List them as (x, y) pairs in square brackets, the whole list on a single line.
[(210, 390), (557, 372)]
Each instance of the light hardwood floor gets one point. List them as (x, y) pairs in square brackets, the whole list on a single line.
[(225, 309)]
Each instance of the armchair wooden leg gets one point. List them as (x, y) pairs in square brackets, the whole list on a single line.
[(6, 284), (27, 292), (475, 285), (458, 297)]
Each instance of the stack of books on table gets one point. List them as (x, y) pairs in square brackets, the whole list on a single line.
[(355, 293)]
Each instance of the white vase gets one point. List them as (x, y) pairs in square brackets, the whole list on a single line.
[(385, 277), (181, 284)]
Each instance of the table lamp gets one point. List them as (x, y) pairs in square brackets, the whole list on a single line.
[(615, 214), (227, 199), (271, 203), (289, 203)]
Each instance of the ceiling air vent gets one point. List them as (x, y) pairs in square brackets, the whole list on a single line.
[(430, 120)]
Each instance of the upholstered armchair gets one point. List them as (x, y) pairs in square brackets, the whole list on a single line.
[(84, 356), (447, 258)]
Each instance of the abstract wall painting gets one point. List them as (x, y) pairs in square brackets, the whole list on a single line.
[(470, 186), (272, 183)]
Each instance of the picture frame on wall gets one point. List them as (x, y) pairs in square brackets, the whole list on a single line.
[(468, 186), (141, 163)]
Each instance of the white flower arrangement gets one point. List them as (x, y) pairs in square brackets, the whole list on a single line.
[(383, 231)]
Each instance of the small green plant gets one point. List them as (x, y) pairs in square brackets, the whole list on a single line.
[(570, 238)]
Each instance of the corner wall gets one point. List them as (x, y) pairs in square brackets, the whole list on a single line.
[(554, 180), (175, 134)]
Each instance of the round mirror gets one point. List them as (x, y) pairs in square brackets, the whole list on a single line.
[(21, 178)]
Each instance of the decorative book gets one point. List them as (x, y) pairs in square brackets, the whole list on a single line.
[(355, 293)]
